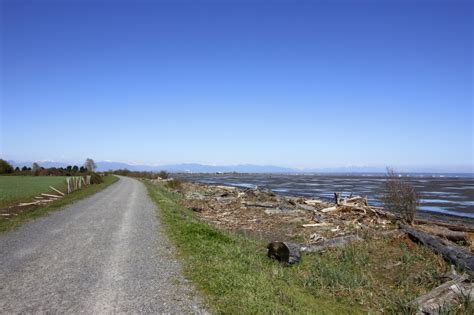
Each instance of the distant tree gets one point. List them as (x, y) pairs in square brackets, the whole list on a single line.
[(24, 169), (82, 169), (75, 168), (17, 169), (5, 167), (90, 165), (69, 168), (35, 167)]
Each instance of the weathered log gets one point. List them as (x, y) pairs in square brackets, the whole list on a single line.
[(286, 253), (314, 202), (443, 296), (330, 209), (330, 243), (325, 224), (52, 196), (57, 190), (453, 236), (450, 252), (454, 227), (28, 203)]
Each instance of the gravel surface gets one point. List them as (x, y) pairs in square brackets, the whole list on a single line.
[(104, 254)]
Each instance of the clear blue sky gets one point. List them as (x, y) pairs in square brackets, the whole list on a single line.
[(290, 83)]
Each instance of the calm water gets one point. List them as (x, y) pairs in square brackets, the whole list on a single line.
[(440, 194)]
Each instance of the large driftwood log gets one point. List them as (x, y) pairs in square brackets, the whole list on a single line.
[(290, 253), (286, 253), (444, 295), (450, 252), (453, 236)]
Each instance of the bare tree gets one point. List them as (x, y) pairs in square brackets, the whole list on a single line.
[(400, 196), (90, 165), (35, 167)]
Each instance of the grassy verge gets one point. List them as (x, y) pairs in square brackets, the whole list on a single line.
[(235, 276), (9, 223)]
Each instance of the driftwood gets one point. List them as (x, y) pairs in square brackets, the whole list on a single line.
[(28, 203), (323, 224), (56, 190), (290, 253), (52, 196), (330, 209), (286, 253), (453, 236), (314, 202), (450, 252), (453, 227), (445, 295), (330, 243)]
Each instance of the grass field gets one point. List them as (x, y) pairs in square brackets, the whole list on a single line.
[(14, 189), (9, 223), (235, 276)]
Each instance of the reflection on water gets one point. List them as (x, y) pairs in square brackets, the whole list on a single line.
[(447, 195)]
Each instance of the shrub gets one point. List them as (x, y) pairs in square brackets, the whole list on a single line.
[(399, 196), (175, 184), (5, 167), (96, 178)]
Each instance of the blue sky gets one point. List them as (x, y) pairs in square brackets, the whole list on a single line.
[(290, 83)]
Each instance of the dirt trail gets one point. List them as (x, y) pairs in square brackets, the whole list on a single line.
[(100, 255)]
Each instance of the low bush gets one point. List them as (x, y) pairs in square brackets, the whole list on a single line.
[(174, 184), (96, 178)]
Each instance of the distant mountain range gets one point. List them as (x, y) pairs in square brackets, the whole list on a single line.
[(189, 167), (244, 168)]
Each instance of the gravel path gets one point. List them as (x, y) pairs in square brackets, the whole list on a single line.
[(104, 254)]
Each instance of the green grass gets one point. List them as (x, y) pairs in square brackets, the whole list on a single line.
[(235, 276), (9, 223), (14, 189)]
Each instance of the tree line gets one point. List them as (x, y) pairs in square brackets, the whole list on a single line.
[(89, 166)]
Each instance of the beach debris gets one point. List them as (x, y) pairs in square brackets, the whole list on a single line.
[(443, 232), (316, 237), (330, 209), (448, 294), (316, 224), (290, 253), (330, 243), (285, 253), (269, 216)]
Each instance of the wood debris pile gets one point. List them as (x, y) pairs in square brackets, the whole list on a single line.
[(263, 213)]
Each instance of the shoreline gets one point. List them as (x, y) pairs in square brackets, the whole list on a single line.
[(449, 199)]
